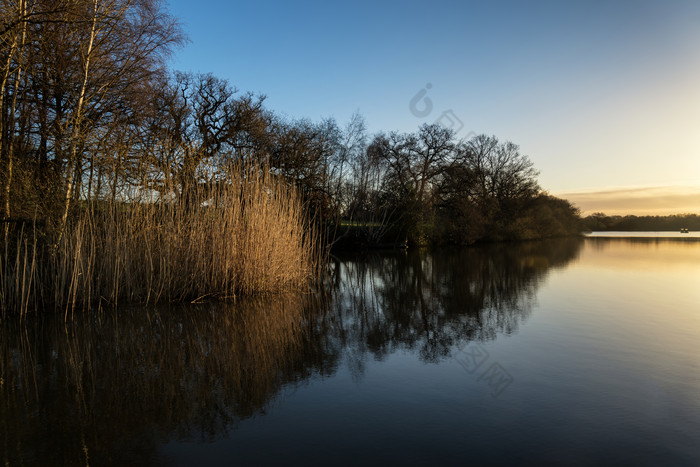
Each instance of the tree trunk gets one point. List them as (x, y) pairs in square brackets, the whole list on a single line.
[(73, 151), (13, 109), (6, 144)]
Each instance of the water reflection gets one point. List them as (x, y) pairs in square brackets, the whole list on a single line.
[(642, 253), (110, 389), (434, 303)]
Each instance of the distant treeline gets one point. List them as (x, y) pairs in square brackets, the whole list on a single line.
[(600, 221)]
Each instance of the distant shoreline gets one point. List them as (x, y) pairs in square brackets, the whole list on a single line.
[(643, 234)]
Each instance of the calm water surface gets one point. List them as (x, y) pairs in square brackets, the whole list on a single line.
[(568, 352)]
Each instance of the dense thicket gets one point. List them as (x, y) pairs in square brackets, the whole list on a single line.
[(443, 190)]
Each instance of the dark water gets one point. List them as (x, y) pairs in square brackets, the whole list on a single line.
[(568, 352)]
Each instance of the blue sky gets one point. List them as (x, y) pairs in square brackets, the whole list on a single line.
[(604, 96)]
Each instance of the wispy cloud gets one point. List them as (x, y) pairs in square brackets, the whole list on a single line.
[(638, 201)]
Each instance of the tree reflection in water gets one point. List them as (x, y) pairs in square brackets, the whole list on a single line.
[(111, 388), (436, 302)]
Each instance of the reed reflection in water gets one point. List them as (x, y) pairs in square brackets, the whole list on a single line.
[(114, 388), (108, 389)]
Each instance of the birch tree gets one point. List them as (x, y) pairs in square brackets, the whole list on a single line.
[(16, 36)]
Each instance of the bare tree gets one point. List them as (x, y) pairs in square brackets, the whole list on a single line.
[(415, 161), (413, 166), (198, 124), (499, 171)]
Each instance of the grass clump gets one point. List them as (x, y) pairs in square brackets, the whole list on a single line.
[(245, 235)]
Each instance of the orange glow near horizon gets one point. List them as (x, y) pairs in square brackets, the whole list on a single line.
[(650, 201)]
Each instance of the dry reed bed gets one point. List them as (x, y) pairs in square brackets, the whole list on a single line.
[(246, 236)]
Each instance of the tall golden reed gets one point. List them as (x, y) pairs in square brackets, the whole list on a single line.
[(247, 235)]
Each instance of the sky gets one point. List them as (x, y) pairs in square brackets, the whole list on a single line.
[(602, 96)]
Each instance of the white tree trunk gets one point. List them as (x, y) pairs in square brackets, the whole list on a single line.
[(77, 120)]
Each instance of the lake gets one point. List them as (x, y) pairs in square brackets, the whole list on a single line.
[(574, 351)]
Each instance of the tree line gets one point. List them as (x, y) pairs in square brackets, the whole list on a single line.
[(602, 222), (91, 113)]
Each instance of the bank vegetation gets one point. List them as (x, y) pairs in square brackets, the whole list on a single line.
[(124, 181)]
